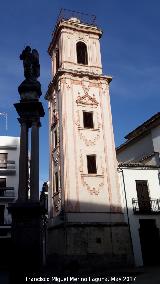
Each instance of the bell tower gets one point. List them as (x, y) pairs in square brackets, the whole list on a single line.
[(84, 195)]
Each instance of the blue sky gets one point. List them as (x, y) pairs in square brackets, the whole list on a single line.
[(130, 49)]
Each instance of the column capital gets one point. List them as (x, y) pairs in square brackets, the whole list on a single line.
[(36, 122), (23, 121)]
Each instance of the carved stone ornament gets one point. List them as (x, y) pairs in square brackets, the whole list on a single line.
[(55, 160), (68, 83), (77, 120), (104, 87), (86, 100), (59, 85), (102, 168), (92, 190), (89, 142), (57, 201), (55, 118), (98, 121), (81, 164), (85, 85)]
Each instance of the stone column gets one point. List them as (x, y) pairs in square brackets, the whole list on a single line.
[(34, 174), (23, 162)]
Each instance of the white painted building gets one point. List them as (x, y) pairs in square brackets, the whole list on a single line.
[(85, 213), (139, 162), (9, 178), (142, 144), (140, 192)]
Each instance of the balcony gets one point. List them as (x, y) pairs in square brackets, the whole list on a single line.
[(149, 206), (7, 194), (7, 168), (5, 231)]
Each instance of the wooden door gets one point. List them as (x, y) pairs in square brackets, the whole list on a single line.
[(143, 196)]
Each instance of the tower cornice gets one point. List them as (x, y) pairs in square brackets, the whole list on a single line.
[(73, 74), (74, 26)]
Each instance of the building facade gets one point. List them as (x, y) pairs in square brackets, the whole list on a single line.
[(85, 212), (140, 191), (9, 177), (142, 144), (139, 161)]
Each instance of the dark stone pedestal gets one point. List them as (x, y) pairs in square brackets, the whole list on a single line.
[(27, 237)]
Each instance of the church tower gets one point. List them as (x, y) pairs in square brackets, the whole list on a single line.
[(85, 213)]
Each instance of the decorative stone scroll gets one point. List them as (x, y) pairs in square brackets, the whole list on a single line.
[(57, 201), (55, 160), (77, 120), (89, 142), (81, 164), (87, 100), (92, 190)]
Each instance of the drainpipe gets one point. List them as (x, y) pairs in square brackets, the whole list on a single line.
[(125, 195)]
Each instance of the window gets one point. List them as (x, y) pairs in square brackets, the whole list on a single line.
[(56, 182), (2, 207), (54, 119), (91, 164), (143, 195), (82, 57), (2, 186), (3, 160), (55, 139), (88, 119), (57, 59)]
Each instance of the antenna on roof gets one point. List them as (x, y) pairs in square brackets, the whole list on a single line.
[(6, 118)]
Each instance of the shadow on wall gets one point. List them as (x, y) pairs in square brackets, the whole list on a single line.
[(84, 241), (103, 233)]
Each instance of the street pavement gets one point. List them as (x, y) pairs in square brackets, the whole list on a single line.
[(150, 275)]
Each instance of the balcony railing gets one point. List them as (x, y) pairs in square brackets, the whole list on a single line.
[(151, 206), (7, 193), (7, 168), (5, 230)]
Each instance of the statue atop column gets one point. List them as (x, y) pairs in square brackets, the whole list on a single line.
[(30, 88), (30, 63)]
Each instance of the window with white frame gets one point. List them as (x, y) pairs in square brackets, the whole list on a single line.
[(3, 160)]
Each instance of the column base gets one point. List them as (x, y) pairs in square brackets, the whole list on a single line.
[(27, 235)]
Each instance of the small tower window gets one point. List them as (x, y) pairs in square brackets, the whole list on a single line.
[(55, 139), (56, 182), (91, 164), (82, 57), (57, 59), (88, 119)]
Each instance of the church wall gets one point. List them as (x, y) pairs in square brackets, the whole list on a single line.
[(87, 192), (87, 221), (104, 244)]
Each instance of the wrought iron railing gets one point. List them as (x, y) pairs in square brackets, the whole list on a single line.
[(146, 206), (66, 14), (5, 230), (7, 192)]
